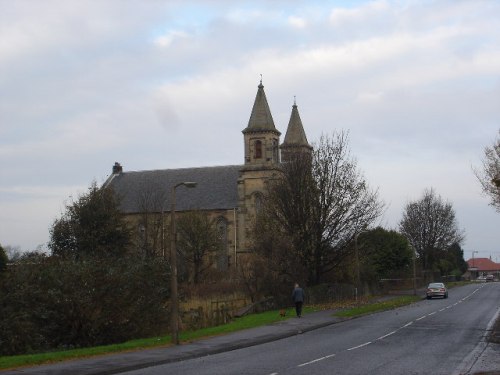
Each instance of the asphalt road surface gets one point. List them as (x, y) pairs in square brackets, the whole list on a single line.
[(439, 336)]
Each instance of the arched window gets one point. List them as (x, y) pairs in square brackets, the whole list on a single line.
[(258, 150), (222, 260)]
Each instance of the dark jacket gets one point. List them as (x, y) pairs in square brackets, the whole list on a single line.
[(298, 295)]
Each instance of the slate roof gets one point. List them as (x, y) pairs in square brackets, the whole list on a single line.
[(216, 189), (483, 264)]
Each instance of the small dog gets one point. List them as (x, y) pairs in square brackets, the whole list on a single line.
[(282, 313)]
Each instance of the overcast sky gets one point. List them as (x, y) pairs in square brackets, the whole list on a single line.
[(170, 84)]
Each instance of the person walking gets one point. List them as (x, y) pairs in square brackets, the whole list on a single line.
[(298, 299)]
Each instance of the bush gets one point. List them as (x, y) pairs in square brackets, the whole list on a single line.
[(50, 303)]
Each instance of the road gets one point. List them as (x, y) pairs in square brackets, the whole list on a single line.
[(438, 336)]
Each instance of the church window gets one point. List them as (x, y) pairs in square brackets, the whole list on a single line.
[(258, 149), (258, 202)]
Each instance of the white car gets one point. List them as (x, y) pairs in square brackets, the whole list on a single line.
[(437, 290)]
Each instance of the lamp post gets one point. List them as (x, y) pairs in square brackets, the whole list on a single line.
[(174, 298), (414, 261)]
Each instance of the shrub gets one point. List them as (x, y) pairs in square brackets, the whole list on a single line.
[(50, 303)]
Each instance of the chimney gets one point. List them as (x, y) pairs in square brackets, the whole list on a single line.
[(117, 168)]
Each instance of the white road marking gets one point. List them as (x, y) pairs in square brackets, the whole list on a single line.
[(316, 360), (383, 337), (360, 346)]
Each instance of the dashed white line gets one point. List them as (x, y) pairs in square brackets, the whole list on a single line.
[(360, 346), (316, 360), (383, 337)]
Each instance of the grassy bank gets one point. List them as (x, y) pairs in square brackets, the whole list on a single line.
[(250, 321), (392, 303)]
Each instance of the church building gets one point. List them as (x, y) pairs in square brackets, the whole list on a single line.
[(230, 194)]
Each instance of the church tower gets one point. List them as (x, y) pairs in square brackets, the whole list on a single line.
[(261, 136), (262, 160), (295, 137)]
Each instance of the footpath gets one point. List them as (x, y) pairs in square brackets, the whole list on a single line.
[(485, 360)]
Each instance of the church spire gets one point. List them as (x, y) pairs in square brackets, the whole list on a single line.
[(261, 118), (295, 138)]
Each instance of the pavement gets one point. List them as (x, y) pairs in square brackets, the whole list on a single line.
[(485, 359)]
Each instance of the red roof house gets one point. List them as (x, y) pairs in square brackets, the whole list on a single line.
[(483, 264)]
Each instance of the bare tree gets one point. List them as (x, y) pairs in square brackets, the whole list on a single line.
[(431, 227), (320, 203), (197, 242), (153, 227), (489, 175)]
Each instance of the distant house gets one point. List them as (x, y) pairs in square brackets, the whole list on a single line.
[(482, 267), (230, 194)]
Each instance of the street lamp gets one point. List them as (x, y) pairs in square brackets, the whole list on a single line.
[(174, 298)]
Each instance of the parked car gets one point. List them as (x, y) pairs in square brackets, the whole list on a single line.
[(490, 278), (481, 279), (437, 290)]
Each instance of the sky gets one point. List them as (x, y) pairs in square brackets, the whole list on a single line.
[(171, 84)]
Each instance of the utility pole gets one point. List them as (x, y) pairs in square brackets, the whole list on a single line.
[(174, 297)]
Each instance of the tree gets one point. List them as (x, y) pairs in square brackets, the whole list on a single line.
[(153, 227), (197, 243), (320, 202), (14, 253), (384, 254), (431, 227), (489, 175), (49, 303), (91, 226), (3, 259), (451, 261)]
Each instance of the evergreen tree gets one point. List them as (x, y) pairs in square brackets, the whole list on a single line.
[(91, 226)]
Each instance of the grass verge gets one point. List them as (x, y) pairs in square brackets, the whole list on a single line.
[(249, 321), (246, 322), (377, 306)]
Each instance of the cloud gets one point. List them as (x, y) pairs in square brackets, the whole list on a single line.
[(297, 22), (171, 84), (167, 39)]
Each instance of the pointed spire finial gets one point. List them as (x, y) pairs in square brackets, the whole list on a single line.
[(261, 78), (294, 100)]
